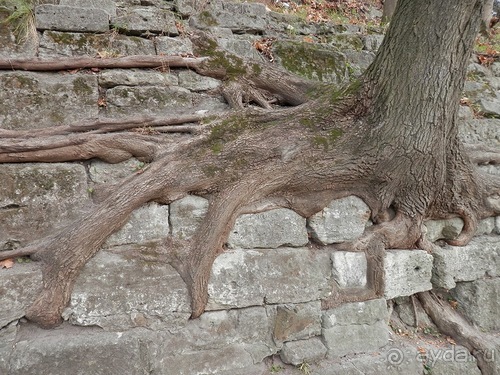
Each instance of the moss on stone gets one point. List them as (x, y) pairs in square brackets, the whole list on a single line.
[(80, 87)]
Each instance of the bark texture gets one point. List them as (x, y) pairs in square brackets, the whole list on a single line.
[(389, 138)]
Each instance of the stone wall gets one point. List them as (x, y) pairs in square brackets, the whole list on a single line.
[(129, 309)]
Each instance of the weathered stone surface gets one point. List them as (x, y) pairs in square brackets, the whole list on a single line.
[(241, 18), (490, 107), (343, 220), (117, 292), (482, 131), (195, 82), (485, 226), (481, 257), (19, 286), (308, 351), (12, 48), (138, 20), (452, 360), (349, 269), (410, 312), (251, 277), (84, 352), (147, 223), (269, 229), (407, 272), (448, 229), (359, 61), (169, 46), (356, 327), (56, 43), (135, 77), (7, 342), (240, 45), (105, 173), (108, 6), (66, 18), (122, 100), (478, 300), (186, 215), (46, 99), (465, 112), (296, 321), (36, 198), (497, 225), (372, 42)]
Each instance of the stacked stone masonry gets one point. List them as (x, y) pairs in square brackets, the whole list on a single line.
[(129, 311)]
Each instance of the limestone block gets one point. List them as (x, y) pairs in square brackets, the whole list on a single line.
[(148, 100), (135, 77), (407, 272), (56, 43), (7, 344), (241, 18), (37, 198), (343, 220), (11, 47), (356, 313), (169, 46), (195, 82), (269, 229), (186, 215), (240, 45), (372, 42), (308, 351), (480, 131), (70, 350), (108, 6), (296, 321), (67, 18), (105, 173), (252, 277), (46, 99), (138, 20), (490, 107), (147, 223), (452, 360), (117, 292), (19, 286), (481, 257), (497, 225), (485, 226), (359, 60), (478, 300), (448, 229), (349, 269)]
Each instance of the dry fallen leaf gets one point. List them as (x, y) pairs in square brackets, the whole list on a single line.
[(7, 263)]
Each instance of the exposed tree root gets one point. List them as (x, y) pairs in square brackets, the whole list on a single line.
[(484, 347)]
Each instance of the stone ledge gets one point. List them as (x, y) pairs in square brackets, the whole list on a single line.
[(67, 18)]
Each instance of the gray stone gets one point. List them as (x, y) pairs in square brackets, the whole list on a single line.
[(465, 112), (490, 168), (359, 61), (249, 18), (117, 292), (240, 45), (343, 220), (478, 300), (372, 42), (448, 229), (169, 46), (108, 6), (147, 223), (253, 277), (7, 344), (269, 229), (452, 360), (407, 272), (356, 313), (475, 70), (19, 286), (195, 82), (186, 215), (349, 269), (104, 173), (497, 225), (490, 107), (66, 18), (296, 321), (46, 99), (135, 77), (38, 198), (356, 327), (410, 312), (15, 48), (303, 351), (480, 131), (485, 226), (92, 351), (139, 20), (56, 43), (481, 257), (148, 100), (358, 338)]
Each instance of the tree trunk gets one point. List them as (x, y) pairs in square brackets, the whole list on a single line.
[(389, 138), (388, 10)]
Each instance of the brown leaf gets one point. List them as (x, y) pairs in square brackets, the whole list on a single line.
[(7, 263)]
